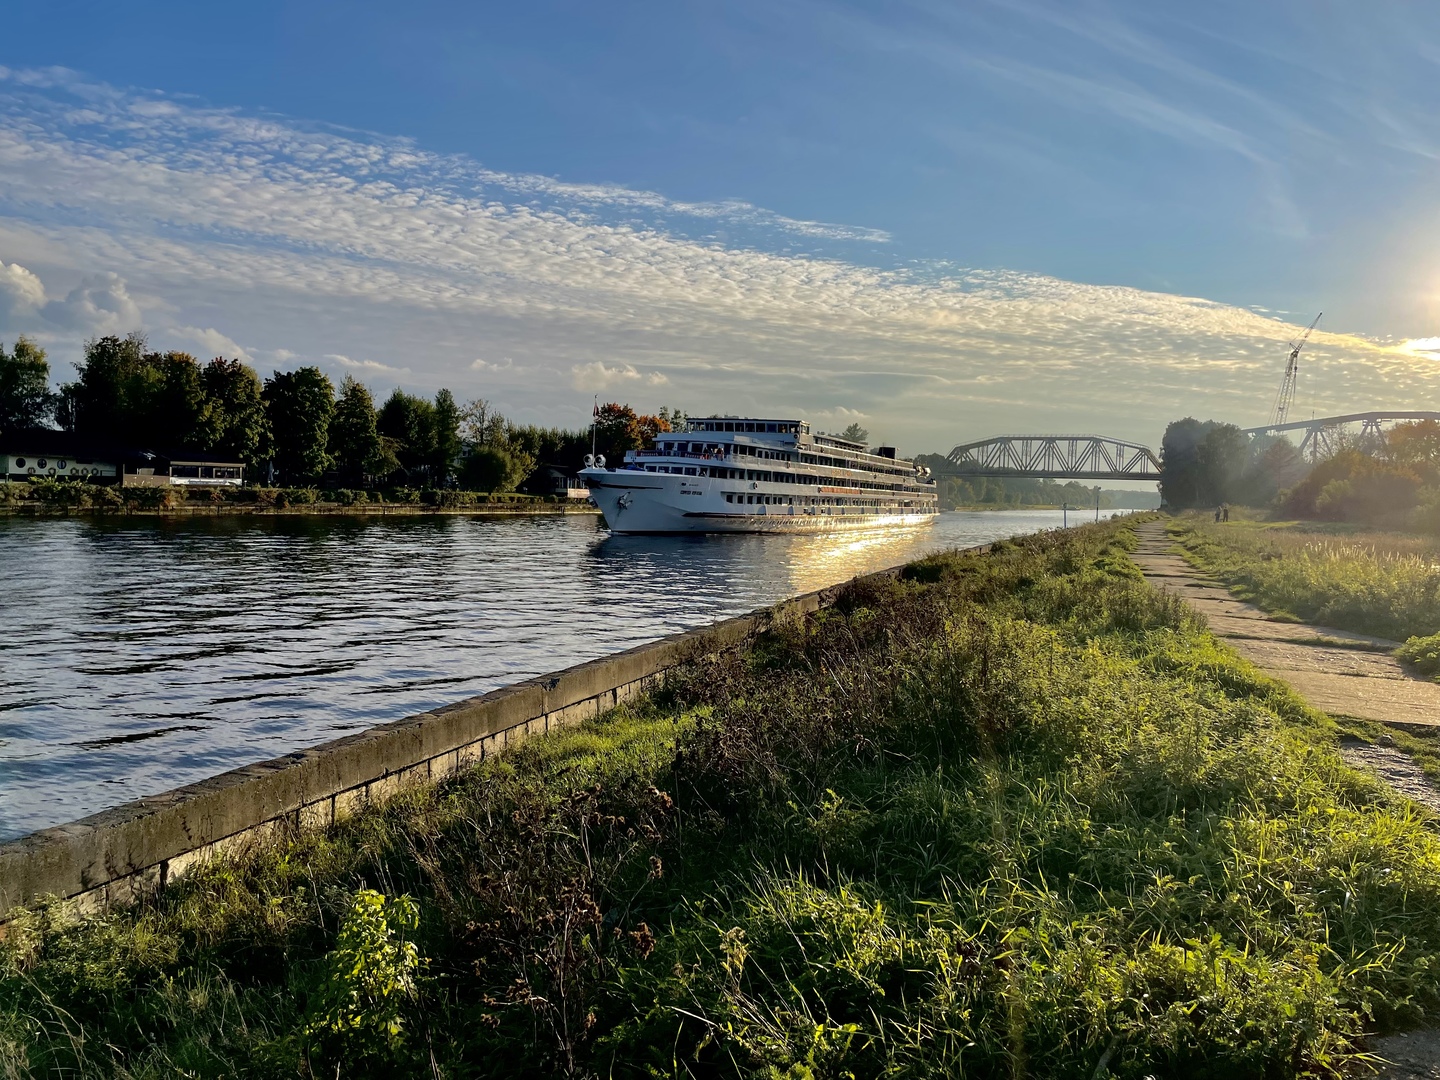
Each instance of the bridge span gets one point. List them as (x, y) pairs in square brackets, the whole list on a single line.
[(1321, 432), (1055, 457), (1099, 457)]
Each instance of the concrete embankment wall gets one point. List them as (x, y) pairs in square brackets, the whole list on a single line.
[(115, 855)]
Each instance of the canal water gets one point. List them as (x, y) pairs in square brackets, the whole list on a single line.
[(144, 654)]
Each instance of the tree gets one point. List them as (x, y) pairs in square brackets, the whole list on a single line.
[(354, 441), (1354, 486), (495, 468), (1202, 464), (480, 424), (169, 407), (300, 404), (1416, 443), (234, 424), (410, 422), (1275, 464), (619, 428), (99, 403), (1222, 455), (445, 437), (498, 456), (25, 397), (132, 396), (856, 433)]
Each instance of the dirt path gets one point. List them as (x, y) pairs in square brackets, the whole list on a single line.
[(1338, 672)]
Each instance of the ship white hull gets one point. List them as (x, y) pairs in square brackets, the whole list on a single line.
[(640, 502)]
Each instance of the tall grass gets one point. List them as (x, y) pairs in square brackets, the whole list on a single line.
[(1386, 584), (1011, 815)]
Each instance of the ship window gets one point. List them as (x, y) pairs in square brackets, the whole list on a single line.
[(689, 472), (769, 427), (19, 462)]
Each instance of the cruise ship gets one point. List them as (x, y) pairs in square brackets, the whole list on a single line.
[(732, 474)]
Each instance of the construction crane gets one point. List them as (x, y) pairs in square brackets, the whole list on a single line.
[(1286, 397)]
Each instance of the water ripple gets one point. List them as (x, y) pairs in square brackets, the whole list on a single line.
[(130, 644)]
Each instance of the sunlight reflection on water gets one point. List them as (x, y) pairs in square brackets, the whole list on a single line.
[(148, 654)]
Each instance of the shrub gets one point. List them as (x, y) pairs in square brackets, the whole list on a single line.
[(1422, 653), (368, 983), (296, 497), (345, 497), (152, 498), (1352, 486)]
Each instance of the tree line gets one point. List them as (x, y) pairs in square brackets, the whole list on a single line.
[(295, 428), (1393, 480)]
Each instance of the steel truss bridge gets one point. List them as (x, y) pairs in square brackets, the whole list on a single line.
[(1055, 457), (1322, 434)]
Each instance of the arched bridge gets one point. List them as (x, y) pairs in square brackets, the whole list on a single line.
[(1320, 432), (1055, 457)]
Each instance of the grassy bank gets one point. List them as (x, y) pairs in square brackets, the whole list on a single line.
[(52, 497), (1011, 815), (1381, 583)]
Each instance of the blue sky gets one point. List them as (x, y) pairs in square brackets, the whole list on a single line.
[(945, 219)]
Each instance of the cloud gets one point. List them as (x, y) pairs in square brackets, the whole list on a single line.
[(839, 413), (599, 375), (323, 244), (373, 366), (1428, 347), (100, 304), (211, 342), (21, 296)]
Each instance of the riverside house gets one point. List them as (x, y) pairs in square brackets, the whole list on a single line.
[(41, 452)]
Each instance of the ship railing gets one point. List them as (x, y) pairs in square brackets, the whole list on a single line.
[(680, 454)]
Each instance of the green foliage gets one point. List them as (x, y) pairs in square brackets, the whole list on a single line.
[(409, 423), (25, 397), (368, 982), (447, 446), (1354, 486), (1005, 815), (234, 424), (1373, 583), (54, 492), (300, 404), (497, 455), (1422, 653), (354, 439), (494, 469), (1206, 464)]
